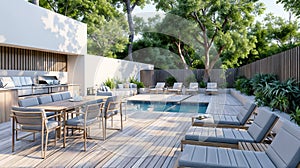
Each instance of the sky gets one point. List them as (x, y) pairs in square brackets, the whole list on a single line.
[(271, 7)]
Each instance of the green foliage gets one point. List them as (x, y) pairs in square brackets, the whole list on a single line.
[(138, 83), (170, 81), (202, 84), (291, 5), (273, 35), (110, 83), (280, 102), (243, 84), (295, 116)]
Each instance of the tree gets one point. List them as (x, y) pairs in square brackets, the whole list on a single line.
[(222, 27), (291, 5), (101, 17), (128, 7), (273, 35)]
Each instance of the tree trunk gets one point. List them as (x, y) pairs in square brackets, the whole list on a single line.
[(181, 55), (131, 28)]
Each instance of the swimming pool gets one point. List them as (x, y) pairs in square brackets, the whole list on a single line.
[(169, 107)]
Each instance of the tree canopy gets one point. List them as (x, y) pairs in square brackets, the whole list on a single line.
[(291, 5)]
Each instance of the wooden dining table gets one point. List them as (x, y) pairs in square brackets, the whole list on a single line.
[(66, 105)]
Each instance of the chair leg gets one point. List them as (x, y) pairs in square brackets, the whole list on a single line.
[(103, 129), (112, 122), (42, 136), (46, 144), (13, 136), (65, 134), (84, 137)]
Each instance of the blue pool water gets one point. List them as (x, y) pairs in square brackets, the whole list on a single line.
[(170, 107)]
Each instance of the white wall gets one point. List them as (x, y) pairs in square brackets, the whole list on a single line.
[(98, 69), (29, 26)]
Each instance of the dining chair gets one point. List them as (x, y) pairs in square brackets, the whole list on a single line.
[(112, 108), (33, 120), (86, 116)]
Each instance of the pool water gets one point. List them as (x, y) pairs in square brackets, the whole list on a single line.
[(169, 107)]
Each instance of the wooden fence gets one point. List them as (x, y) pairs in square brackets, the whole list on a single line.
[(285, 65)]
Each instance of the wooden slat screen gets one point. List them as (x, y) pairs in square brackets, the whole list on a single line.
[(286, 65), (31, 60)]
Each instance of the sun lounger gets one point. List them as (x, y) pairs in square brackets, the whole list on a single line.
[(211, 88), (177, 88), (229, 137), (284, 151), (193, 88), (159, 88), (225, 120)]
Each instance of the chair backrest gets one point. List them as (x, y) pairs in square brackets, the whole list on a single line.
[(32, 101), (65, 95), (56, 97), (243, 116), (110, 99), (193, 85), (177, 85), (92, 111), (29, 118), (160, 85), (284, 151), (45, 99), (212, 85), (261, 125)]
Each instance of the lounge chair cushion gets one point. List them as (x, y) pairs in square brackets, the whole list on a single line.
[(219, 119), (261, 125), (203, 156), (45, 99), (284, 151), (17, 81), (66, 95), (243, 116), (28, 81), (56, 97), (33, 101), (221, 135)]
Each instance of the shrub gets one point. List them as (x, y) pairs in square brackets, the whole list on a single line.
[(138, 83), (171, 80), (110, 83), (202, 84), (295, 116), (243, 84)]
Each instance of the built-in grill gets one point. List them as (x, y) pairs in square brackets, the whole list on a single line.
[(48, 80)]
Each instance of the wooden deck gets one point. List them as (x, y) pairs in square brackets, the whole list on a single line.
[(149, 139)]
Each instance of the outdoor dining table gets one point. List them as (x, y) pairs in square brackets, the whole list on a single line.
[(66, 105)]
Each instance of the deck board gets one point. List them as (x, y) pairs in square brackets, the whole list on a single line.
[(149, 139)]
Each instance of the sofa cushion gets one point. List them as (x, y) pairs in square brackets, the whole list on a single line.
[(66, 95), (23, 81), (45, 99), (56, 97), (28, 81), (7, 82), (17, 81), (33, 101)]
